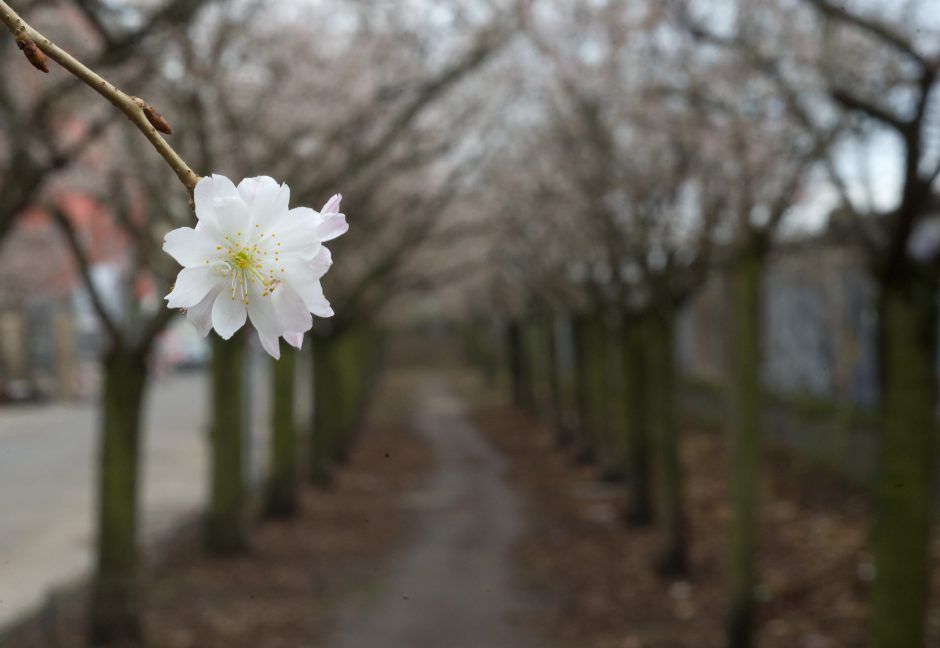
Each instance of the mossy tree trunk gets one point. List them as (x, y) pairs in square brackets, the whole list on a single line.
[(553, 368), (599, 393), (488, 339), (670, 514), (327, 409), (903, 492), (115, 605), (746, 435), (584, 450), (536, 366), (515, 349), (226, 529), (351, 374), (281, 496), (479, 349), (636, 433), (567, 379)]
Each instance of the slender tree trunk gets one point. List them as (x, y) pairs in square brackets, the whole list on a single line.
[(639, 503), (556, 411), (903, 491), (567, 379), (115, 607), (746, 435), (281, 496), (584, 450), (490, 356), (605, 450), (226, 529), (350, 367), (673, 560), (327, 397), (535, 353), (517, 365)]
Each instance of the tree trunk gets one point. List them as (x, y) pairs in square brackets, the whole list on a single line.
[(746, 436), (327, 397), (673, 559), (605, 451), (556, 411), (584, 450), (517, 365), (903, 491), (535, 353), (639, 503), (349, 366), (115, 607), (281, 496), (226, 529)]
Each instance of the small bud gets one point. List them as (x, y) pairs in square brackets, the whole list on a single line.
[(34, 55), (157, 120)]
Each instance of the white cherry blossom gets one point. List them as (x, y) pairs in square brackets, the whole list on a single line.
[(252, 257)]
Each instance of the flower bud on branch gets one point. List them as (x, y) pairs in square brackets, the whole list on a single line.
[(157, 120), (34, 55)]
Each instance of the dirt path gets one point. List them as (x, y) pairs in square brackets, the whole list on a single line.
[(452, 584)]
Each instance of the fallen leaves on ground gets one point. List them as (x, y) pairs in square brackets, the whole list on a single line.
[(601, 590)]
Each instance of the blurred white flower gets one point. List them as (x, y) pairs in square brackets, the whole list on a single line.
[(250, 256)]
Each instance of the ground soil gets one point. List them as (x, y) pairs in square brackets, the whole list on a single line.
[(283, 592), (598, 573)]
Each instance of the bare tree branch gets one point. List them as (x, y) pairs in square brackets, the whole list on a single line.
[(81, 260), (139, 112)]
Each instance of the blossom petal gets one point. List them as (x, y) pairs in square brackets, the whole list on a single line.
[(270, 344), (302, 239), (332, 205), (328, 226), (332, 225), (264, 318), (314, 300), (291, 311), (190, 247), (264, 196), (298, 272), (234, 219), (296, 340), (322, 261), (207, 197), (228, 315), (250, 188), (200, 315), (192, 285), (303, 279)]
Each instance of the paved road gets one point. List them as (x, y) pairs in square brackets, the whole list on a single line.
[(452, 586), (47, 457)]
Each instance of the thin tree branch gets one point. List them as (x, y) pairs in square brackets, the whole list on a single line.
[(854, 102), (84, 269), (873, 28), (133, 107)]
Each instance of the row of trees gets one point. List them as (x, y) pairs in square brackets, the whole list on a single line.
[(672, 139), (597, 166), (357, 106)]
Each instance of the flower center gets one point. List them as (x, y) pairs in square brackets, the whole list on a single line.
[(243, 265), (243, 259)]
